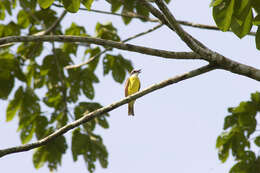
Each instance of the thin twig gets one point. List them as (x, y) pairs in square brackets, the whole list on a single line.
[(129, 14), (89, 116), (53, 26), (107, 49), (134, 15)]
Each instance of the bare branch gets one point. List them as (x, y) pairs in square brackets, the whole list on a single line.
[(89, 116), (164, 20), (85, 39), (195, 45), (203, 26), (107, 49)]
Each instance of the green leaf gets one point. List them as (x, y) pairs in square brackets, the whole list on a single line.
[(257, 38), (7, 84), (128, 8), (115, 5), (94, 52), (229, 121), (45, 3), (215, 3), (255, 97), (141, 10), (41, 123), (15, 104), (80, 144), (222, 14), (30, 50), (71, 6), (242, 29), (27, 133), (2, 11), (39, 157), (107, 31), (257, 141), (87, 3), (256, 5), (23, 19), (256, 20), (48, 16), (118, 65), (51, 153), (75, 29), (118, 73)]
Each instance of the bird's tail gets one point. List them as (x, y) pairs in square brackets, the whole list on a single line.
[(131, 109)]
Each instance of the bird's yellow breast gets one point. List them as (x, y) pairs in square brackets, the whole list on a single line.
[(134, 85)]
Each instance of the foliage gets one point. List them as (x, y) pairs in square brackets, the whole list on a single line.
[(238, 16), (240, 129), (43, 90)]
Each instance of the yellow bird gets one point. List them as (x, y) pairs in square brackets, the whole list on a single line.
[(132, 86)]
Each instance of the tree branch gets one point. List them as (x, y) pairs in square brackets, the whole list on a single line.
[(214, 58), (107, 49), (85, 39), (54, 25), (192, 43), (134, 15), (89, 116)]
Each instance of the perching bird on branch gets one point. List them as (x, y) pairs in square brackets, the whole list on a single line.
[(132, 86)]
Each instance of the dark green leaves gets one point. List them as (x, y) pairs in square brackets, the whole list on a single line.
[(23, 19), (91, 147), (87, 3), (9, 69), (87, 107), (240, 126), (237, 15), (118, 65), (222, 14), (50, 153), (257, 38), (45, 3), (71, 6), (107, 31), (242, 18), (14, 104)]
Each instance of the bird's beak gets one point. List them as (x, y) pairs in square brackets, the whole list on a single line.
[(139, 71)]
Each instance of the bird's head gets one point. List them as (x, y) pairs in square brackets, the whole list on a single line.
[(135, 72)]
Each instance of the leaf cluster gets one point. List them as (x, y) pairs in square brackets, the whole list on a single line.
[(239, 128), (238, 16), (40, 91)]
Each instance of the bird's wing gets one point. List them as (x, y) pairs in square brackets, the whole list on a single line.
[(126, 87), (139, 85)]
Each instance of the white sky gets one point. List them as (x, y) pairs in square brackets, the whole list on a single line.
[(175, 128)]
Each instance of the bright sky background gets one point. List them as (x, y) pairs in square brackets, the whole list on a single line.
[(175, 128)]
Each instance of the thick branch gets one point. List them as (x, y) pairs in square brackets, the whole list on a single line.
[(89, 116), (192, 43), (129, 47), (214, 58)]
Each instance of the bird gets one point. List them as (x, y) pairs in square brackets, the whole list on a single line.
[(132, 86)]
